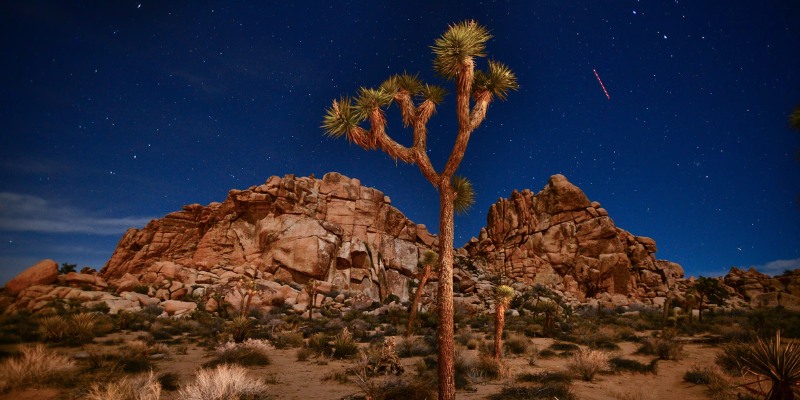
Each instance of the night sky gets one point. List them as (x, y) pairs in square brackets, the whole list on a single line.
[(116, 112)]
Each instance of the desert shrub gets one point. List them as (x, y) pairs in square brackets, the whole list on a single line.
[(289, 339), (320, 343), (587, 362), (731, 359), (516, 344), (35, 366), (412, 347), (665, 349), (18, 327), (547, 377), (698, 375), (223, 382), (561, 346), (547, 353), (169, 381), (251, 352), (74, 329), (140, 387), (550, 391), (136, 356), (464, 335), (304, 353), (127, 320), (343, 345), (620, 364)]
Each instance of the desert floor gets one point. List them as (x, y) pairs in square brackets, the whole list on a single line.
[(293, 379)]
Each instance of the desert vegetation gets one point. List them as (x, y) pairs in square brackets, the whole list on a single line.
[(144, 355)]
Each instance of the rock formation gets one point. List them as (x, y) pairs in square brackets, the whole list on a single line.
[(289, 229), (558, 238), (761, 290)]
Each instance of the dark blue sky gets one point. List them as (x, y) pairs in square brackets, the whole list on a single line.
[(117, 112)]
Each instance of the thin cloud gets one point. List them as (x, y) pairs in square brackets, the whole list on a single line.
[(778, 266), (26, 213)]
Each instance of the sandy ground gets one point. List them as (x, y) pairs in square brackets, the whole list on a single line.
[(291, 379)]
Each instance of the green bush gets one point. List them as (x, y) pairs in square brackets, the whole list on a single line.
[(516, 344), (289, 339), (343, 345), (251, 352)]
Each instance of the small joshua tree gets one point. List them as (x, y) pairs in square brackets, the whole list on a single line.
[(311, 288), (428, 261), (455, 54), (246, 288), (502, 296)]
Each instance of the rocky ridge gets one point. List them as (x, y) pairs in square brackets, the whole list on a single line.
[(298, 241)]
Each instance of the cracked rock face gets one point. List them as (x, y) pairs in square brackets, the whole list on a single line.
[(560, 239), (294, 228)]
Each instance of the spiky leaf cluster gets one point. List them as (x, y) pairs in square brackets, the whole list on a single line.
[(434, 94), (779, 364), (794, 119), (340, 118), (461, 42), (430, 258), (370, 99), (497, 80), (503, 293), (465, 194), (405, 81)]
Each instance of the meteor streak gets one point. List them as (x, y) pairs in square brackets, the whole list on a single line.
[(601, 84)]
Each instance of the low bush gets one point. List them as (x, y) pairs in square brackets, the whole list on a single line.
[(665, 349), (35, 366), (620, 364), (561, 346), (587, 363), (698, 375), (413, 347), (516, 344), (730, 360), (224, 382), (289, 339), (139, 387), (547, 377), (248, 353), (551, 391)]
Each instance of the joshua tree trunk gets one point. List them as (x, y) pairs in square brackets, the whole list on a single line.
[(447, 375), (499, 323), (423, 279)]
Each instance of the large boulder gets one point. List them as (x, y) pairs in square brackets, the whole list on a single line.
[(44, 272)]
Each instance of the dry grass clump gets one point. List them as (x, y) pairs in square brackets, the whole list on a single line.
[(36, 366), (516, 344), (547, 377), (248, 353), (620, 364), (719, 388), (288, 339), (550, 391), (412, 347), (587, 363), (139, 387), (664, 348), (731, 359), (223, 382), (343, 345)]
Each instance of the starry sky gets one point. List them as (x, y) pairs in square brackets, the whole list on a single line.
[(117, 112)]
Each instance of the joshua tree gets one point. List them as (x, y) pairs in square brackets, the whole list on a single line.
[(311, 289), (455, 53), (708, 290), (502, 297), (428, 260)]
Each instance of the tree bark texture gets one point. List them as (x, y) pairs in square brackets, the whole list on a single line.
[(447, 380)]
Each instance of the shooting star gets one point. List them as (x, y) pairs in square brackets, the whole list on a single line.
[(601, 84)]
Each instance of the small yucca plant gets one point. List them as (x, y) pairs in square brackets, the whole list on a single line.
[(780, 365), (54, 328)]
